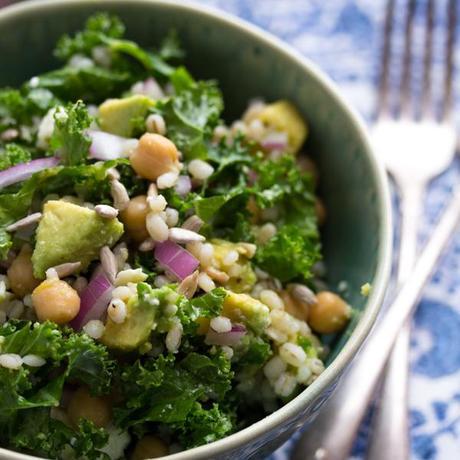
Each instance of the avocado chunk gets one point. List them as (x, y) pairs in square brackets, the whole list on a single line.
[(245, 309), (283, 116), (135, 330), (71, 233), (118, 116), (243, 278)]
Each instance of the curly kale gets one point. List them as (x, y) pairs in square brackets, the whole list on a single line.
[(27, 394)]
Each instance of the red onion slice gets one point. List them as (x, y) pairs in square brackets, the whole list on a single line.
[(149, 87), (106, 146), (229, 338), (183, 185), (23, 171), (93, 300), (176, 260), (275, 141)]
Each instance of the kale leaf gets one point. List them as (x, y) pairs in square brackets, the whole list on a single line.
[(165, 390), (92, 84), (28, 392), (289, 254), (42, 435), (97, 27), (18, 108), (107, 31), (13, 154), (125, 61), (191, 114), (69, 138), (207, 305), (203, 426)]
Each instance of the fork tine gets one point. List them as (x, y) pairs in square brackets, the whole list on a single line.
[(383, 102), (449, 59), (427, 62), (405, 93)]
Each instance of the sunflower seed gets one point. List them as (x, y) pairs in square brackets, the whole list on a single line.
[(147, 245), (121, 254), (105, 211), (302, 293), (217, 275), (193, 223), (119, 194), (182, 235), (66, 269), (51, 274), (152, 191), (247, 249), (113, 174), (25, 222), (109, 263), (189, 285), (9, 134)]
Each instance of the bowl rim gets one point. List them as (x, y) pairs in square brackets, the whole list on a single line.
[(380, 281)]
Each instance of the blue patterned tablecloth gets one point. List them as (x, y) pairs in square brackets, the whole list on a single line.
[(343, 37)]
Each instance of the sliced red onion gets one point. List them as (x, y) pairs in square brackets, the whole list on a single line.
[(175, 259), (106, 146), (93, 300), (149, 87), (23, 171), (183, 185), (275, 141), (229, 338)]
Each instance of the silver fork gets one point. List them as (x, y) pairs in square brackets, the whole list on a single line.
[(414, 150)]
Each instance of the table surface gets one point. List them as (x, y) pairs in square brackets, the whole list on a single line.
[(344, 38)]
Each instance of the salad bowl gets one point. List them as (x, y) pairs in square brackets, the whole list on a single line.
[(249, 63)]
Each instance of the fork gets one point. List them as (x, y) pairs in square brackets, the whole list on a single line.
[(416, 144), (415, 149)]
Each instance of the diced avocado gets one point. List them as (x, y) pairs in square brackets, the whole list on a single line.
[(244, 308), (118, 116), (284, 117), (242, 279), (134, 330), (71, 233)]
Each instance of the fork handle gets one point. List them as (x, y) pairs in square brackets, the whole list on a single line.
[(390, 425), (411, 212)]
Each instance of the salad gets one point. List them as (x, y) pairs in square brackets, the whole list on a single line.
[(160, 282)]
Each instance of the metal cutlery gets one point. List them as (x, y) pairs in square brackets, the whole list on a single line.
[(416, 144)]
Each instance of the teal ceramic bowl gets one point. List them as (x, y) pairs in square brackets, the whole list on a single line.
[(248, 63)]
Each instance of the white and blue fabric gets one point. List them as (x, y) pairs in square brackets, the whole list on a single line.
[(343, 37)]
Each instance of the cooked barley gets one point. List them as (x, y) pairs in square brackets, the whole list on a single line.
[(94, 328), (105, 211), (117, 311)]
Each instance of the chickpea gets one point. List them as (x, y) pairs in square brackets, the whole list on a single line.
[(20, 273), (55, 300), (320, 212), (154, 156), (134, 218), (295, 308), (149, 447), (330, 313), (92, 408)]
